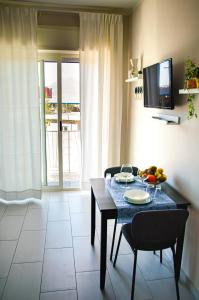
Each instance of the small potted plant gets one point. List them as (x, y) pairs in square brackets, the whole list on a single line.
[(191, 82), (191, 73)]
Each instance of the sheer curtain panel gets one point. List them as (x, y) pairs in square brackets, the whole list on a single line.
[(101, 44), (20, 163)]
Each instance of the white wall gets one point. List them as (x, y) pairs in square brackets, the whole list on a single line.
[(163, 29)]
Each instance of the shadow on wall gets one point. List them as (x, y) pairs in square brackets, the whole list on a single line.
[(178, 82), (191, 244)]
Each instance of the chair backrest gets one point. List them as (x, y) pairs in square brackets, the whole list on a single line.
[(158, 229), (115, 170)]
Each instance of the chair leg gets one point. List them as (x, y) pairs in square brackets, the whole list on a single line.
[(118, 246), (134, 273), (161, 256), (175, 271), (154, 252), (113, 239)]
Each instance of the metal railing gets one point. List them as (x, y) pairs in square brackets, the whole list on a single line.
[(71, 152)]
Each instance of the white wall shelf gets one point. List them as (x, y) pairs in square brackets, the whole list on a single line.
[(188, 91), (132, 79)]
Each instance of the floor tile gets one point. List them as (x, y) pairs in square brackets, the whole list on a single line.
[(2, 209), (58, 270), (58, 212), (7, 249), (79, 204), (58, 197), (146, 259), (124, 246), (80, 224), (10, 227), (165, 289), (46, 195), (167, 257), (16, 209), (88, 287), (61, 295), (2, 284), (38, 204), (58, 235), (121, 278), (71, 194), (86, 187), (90, 260), (30, 247), (36, 219), (98, 219), (23, 282), (110, 223)]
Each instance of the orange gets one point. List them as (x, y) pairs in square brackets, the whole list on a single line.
[(151, 178)]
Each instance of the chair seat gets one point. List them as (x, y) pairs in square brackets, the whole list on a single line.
[(126, 230)]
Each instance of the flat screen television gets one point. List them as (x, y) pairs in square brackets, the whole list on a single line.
[(158, 85)]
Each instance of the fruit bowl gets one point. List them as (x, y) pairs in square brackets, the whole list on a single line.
[(153, 175)]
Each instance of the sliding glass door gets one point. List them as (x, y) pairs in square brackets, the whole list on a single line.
[(60, 123)]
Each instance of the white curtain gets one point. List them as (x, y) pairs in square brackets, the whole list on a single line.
[(20, 163), (101, 45)]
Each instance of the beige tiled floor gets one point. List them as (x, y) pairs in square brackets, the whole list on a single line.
[(45, 254)]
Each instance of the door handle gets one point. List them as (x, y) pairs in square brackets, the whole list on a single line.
[(60, 125)]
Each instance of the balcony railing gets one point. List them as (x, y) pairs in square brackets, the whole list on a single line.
[(71, 149)]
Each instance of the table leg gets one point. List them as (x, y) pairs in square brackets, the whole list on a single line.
[(92, 217), (113, 239), (179, 249), (103, 250)]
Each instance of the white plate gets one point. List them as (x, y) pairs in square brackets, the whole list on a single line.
[(137, 197), (124, 177)]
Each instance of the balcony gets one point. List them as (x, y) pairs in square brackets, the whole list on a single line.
[(71, 149)]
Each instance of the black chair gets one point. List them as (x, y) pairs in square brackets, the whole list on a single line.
[(113, 171), (154, 230)]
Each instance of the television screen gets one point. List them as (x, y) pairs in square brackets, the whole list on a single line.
[(158, 85)]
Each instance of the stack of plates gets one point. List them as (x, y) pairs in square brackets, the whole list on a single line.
[(137, 196), (124, 177)]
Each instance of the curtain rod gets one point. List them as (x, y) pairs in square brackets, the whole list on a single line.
[(66, 8)]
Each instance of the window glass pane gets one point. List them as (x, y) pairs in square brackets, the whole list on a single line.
[(51, 122), (71, 147), (70, 83), (50, 81)]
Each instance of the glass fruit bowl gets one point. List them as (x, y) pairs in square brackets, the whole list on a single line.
[(152, 176)]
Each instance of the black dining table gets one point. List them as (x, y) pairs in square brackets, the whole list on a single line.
[(108, 210)]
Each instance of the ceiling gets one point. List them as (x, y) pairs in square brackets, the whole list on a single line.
[(93, 3)]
